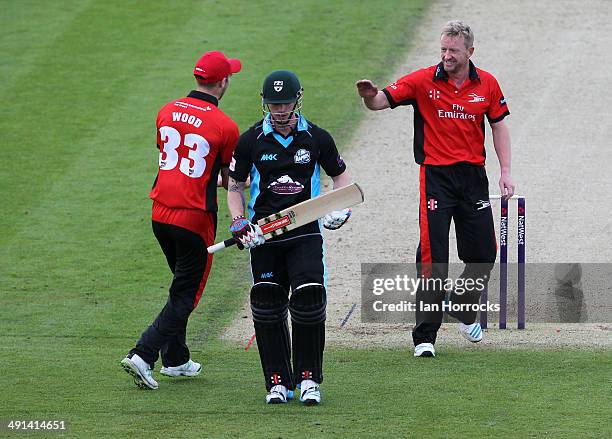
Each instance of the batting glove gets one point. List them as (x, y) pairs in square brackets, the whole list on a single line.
[(334, 220), (246, 234)]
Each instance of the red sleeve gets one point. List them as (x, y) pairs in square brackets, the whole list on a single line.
[(403, 91), (231, 138), (498, 108), (157, 126)]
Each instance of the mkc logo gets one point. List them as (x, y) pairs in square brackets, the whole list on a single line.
[(267, 275), (434, 94), (268, 157), (432, 204), (278, 86)]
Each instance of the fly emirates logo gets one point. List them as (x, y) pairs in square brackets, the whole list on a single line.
[(458, 112)]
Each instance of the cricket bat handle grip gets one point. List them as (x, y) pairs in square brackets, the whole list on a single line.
[(221, 245)]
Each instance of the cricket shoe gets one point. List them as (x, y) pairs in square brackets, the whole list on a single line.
[(310, 394), (424, 350), (141, 371), (189, 369), (471, 332), (277, 395)]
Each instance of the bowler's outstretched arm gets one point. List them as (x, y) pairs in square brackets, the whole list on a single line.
[(373, 98)]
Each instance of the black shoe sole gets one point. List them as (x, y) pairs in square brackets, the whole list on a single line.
[(427, 354), (310, 402), (276, 401)]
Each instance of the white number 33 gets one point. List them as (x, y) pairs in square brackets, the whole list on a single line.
[(192, 166)]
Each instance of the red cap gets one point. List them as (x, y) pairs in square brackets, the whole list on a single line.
[(214, 66)]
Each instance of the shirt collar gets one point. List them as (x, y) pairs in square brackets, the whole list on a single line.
[(302, 124), (204, 97), (440, 73)]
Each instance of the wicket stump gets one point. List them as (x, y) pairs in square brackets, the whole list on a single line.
[(503, 265)]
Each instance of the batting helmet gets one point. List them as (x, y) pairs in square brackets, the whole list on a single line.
[(281, 87)]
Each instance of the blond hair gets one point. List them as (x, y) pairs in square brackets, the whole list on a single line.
[(458, 28)]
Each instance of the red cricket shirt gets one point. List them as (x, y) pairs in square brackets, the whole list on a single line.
[(449, 122), (195, 139)]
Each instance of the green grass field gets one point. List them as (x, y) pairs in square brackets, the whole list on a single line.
[(81, 274)]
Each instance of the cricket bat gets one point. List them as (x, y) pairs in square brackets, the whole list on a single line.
[(303, 213)]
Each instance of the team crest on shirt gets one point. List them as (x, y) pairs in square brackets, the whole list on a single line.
[(302, 156), (278, 86), (285, 185)]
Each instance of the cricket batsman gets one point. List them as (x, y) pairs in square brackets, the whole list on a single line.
[(283, 154)]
